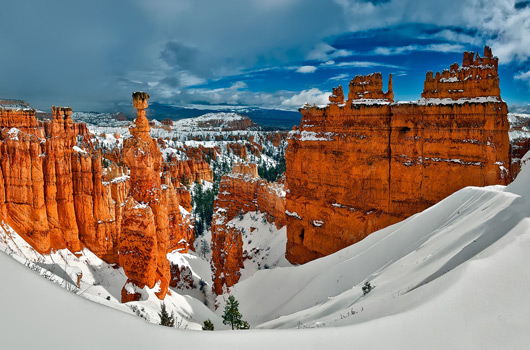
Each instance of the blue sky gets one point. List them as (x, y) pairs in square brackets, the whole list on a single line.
[(268, 53)]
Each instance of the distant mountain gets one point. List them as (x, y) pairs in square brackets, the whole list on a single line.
[(267, 118)]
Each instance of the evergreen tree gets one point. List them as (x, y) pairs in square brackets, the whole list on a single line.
[(232, 316), (205, 248), (165, 318), (367, 288), (208, 325)]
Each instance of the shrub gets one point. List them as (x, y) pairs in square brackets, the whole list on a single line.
[(208, 325), (165, 318), (367, 288)]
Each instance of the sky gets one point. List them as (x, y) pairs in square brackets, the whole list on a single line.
[(91, 55)]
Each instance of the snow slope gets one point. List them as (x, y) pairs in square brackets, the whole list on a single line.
[(455, 276), (102, 283)]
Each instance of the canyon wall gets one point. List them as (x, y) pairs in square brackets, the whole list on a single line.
[(240, 192), (356, 167), (55, 192)]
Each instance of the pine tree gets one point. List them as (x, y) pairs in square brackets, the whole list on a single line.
[(205, 248), (208, 325), (165, 318), (232, 315), (367, 288)]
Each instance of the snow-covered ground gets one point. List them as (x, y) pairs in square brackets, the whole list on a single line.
[(90, 277), (263, 244)]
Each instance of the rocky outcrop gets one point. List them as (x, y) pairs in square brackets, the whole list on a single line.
[(270, 200), (152, 216), (365, 87), (181, 277), (238, 149), (277, 137), (477, 77), (519, 148), (188, 171), (56, 193), (240, 192), (355, 168)]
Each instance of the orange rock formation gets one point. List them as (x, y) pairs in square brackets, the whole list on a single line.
[(241, 191), (146, 226), (366, 87), (357, 168), (56, 194)]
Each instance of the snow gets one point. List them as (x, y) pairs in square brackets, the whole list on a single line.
[(141, 206), (449, 101), (13, 133), (311, 135), (79, 150), (263, 244), (371, 101), (449, 80), (118, 179), (293, 214)]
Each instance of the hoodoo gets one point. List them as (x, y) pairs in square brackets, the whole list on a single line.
[(356, 167), (55, 192), (146, 226)]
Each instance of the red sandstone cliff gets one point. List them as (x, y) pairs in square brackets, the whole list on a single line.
[(241, 191), (56, 194), (355, 168)]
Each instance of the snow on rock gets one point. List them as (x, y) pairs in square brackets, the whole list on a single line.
[(449, 101), (79, 150)]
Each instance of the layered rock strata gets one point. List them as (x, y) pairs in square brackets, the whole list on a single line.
[(355, 168)]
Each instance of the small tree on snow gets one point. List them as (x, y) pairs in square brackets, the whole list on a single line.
[(165, 318), (208, 325), (367, 288), (205, 248), (232, 316)]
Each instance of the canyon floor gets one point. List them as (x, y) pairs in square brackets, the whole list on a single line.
[(453, 276)]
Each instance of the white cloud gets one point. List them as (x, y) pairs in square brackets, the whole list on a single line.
[(524, 76), (325, 52), (306, 69), (340, 77), (365, 64), (311, 96), (451, 35), (391, 51), (497, 23)]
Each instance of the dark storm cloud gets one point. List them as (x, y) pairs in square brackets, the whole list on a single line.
[(179, 56), (83, 53), (521, 5), (92, 54)]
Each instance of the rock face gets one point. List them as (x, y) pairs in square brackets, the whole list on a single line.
[(55, 192), (241, 191), (353, 169)]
